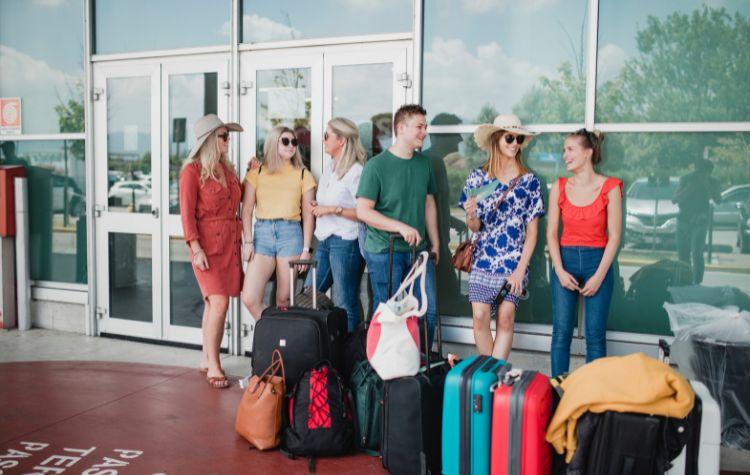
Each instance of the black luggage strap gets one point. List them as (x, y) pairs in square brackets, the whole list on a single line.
[(310, 460), (692, 448)]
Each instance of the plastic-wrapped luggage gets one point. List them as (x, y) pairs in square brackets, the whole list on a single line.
[(712, 345)]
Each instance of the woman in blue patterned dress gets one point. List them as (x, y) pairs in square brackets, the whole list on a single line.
[(503, 203)]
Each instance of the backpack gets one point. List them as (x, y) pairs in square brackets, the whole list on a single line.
[(320, 415)]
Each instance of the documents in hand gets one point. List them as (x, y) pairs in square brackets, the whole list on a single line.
[(484, 191)]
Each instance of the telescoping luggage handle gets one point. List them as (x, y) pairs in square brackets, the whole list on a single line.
[(392, 238), (313, 265)]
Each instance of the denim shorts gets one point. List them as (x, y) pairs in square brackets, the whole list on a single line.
[(277, 237)]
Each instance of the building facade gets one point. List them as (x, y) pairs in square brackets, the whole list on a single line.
[(108, 92)]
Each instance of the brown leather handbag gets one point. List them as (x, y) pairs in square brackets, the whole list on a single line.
[(259, 415), (461, 259)]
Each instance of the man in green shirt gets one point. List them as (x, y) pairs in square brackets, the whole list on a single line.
[(396, 195)]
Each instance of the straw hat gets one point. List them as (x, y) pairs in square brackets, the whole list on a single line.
[(507, 122), (205, 126)]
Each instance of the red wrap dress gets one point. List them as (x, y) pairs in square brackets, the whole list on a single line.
[(209, 214)]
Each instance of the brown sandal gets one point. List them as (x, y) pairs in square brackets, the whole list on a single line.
[(218, 382)]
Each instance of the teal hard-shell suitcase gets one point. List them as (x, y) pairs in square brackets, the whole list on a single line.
[(467, 415)]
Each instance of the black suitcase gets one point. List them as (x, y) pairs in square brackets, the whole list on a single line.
[(411, 434), (304, 336)]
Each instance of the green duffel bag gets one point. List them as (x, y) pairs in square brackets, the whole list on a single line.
[(367, 391)]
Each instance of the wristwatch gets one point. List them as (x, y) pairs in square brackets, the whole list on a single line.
[(307, 249), (339, 210)]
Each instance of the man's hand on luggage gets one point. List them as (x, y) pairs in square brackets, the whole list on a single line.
[(592, 286), (410, 235)]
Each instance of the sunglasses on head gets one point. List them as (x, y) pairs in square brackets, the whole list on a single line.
[(509, 138), (285, 141), (224, 136)]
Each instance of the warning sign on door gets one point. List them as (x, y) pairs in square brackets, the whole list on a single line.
[(10, 115)]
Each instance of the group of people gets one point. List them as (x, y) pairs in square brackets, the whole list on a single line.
[(357, 204)]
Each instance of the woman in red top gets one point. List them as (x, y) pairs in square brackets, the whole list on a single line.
[(209, 199), (590, 205)]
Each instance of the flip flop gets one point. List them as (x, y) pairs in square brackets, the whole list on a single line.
[(217, 382)]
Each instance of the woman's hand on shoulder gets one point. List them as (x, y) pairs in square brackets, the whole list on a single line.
[(253, 164)]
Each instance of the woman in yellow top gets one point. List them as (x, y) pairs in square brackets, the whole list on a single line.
[(280, 194)]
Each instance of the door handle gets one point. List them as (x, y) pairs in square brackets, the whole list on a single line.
[(155, 212)]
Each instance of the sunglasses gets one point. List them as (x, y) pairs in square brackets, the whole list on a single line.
[(509, 139), (285, 141), (224, 136), (326, 135)]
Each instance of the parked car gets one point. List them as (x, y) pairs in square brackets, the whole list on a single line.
[(727, 213), (651, 217), (743, 226), (127, 193)]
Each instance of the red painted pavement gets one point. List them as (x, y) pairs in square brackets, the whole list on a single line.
[(100, 418)]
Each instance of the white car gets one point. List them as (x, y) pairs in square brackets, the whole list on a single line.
[(727, 213), (651, 215), (127, 193)]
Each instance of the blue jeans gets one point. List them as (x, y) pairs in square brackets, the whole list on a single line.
[(581, 263), (340, 265), (377, 266)]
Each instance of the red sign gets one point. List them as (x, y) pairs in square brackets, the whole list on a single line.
[(10, 115)]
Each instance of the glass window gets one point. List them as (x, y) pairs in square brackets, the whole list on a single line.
[(144, 25), (130, 284), (665, 244), (677, 230), (191, 96), (48, 80), (673, 61), (485, 57), (56, 173), (371, 112), (284, 20)]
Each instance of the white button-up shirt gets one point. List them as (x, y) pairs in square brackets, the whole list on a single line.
[(335, 192)]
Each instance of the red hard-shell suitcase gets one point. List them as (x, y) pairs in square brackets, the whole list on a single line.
[(522, 408)]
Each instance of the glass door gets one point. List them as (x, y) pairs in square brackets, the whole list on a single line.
[(127, 208), (366, 84), (190, 89), (144, 114)]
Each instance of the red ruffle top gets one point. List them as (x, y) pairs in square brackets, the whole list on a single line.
[(585, 225)]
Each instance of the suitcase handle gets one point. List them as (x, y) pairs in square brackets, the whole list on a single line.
[(293, 264)]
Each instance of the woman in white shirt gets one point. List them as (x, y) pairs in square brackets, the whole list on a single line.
[(340, 263)]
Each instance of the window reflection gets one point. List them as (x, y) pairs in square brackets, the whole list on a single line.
[(144, 25), (49, 80), (191, 96), (284, 20), (635, 83), (56, 174), (533, 65), (672, 249), (284, 98)]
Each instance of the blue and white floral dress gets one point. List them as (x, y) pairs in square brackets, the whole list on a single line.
[(502, 233)]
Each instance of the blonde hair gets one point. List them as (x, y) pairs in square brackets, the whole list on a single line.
[(271, 157), (493, 161), (353, 151), (208, 157)]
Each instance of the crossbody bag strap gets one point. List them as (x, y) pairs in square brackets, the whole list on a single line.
[(511, 185)]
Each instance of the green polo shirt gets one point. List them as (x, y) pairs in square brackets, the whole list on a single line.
[(399, 188)]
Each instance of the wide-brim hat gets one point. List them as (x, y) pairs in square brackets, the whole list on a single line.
[(205, 126), (507, 122)]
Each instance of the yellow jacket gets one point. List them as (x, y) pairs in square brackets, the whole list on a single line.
[(633, 383)]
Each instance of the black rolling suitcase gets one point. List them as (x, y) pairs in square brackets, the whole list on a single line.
[(304, 336), (411, 434)]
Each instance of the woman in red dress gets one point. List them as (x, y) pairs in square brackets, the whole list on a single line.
[(209, 199)]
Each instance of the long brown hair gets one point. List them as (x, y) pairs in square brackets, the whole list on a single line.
[(493, 161)]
